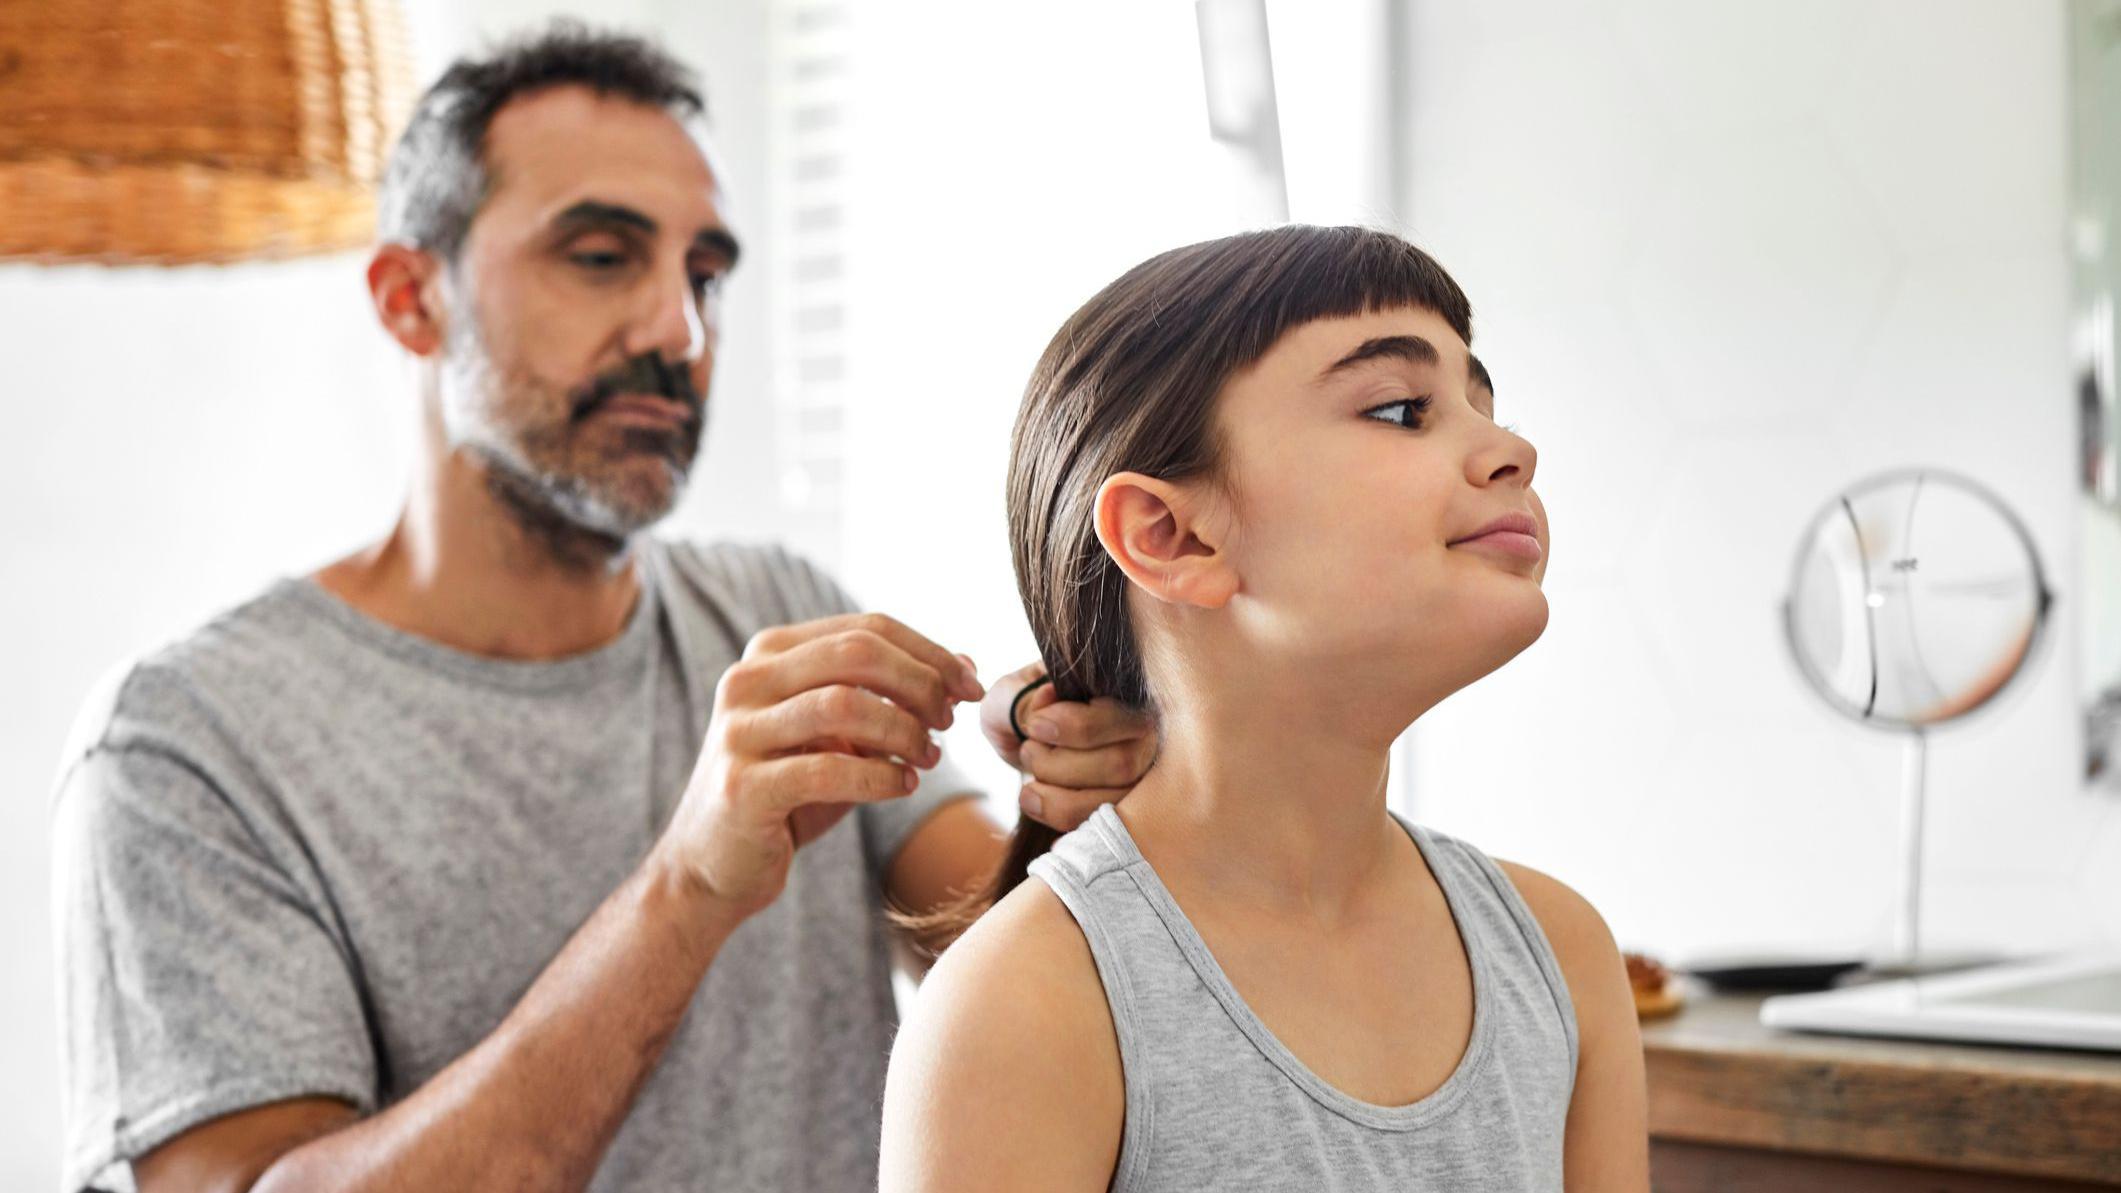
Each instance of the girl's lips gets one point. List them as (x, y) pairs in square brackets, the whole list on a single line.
[(1509, 542)]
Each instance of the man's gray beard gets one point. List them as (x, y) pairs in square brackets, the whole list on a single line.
[(569, 526), (573, 523)]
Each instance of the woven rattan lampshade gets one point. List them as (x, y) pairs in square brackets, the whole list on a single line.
[(179, 131)]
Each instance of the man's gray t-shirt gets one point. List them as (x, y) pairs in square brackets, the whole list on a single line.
[(303, 853)]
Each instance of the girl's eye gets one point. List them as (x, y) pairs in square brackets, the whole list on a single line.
[(1406, 412)]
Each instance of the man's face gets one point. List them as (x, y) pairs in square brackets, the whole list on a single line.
[(582, 310)]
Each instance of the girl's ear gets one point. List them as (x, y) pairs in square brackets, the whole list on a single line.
[(1158, 534)]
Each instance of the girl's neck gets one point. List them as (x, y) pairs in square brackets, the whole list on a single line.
[(1268, 794)]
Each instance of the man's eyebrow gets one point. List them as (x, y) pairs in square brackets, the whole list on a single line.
[(1408, 348), (592, 213), (718, 240)]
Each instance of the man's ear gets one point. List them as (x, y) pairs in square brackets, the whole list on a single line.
[(1159, 535), (402, 285)]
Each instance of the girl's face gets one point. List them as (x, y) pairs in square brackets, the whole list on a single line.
[(1357, 453)]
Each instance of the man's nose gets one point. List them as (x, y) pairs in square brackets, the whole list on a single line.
[(673, 324)]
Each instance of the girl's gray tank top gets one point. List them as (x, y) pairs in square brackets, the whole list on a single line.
[(1214, 1101)]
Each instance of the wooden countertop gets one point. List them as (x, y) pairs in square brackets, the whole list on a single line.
[(1717, 1076)]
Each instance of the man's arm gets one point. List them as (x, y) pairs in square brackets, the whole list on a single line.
[(948, 857), (1606, 1142), (532, 1106), (814, 719)]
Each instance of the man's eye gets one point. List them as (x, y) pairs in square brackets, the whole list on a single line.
[(1406, 412), (599, 261), (707, 284)]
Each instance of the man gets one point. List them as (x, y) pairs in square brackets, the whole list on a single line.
[(523, 850)]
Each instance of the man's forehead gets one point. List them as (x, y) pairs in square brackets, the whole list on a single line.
[(548, 150)]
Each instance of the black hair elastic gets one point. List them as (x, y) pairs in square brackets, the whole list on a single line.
[(1014, 725)]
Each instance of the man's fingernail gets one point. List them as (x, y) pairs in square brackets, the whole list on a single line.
[(1045, 730), (1029, 801), (913, 779)]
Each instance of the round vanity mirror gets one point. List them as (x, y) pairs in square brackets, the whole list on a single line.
[(1915, 599)]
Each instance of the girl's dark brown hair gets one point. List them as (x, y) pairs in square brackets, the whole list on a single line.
[(1129, 384)]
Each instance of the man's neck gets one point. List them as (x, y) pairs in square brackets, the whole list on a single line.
[(469, 567)]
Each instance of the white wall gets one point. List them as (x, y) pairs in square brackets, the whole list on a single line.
[(184, 436), (1725, 259)]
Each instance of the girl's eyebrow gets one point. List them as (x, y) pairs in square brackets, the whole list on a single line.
[(1408, 348), (1478, 382)]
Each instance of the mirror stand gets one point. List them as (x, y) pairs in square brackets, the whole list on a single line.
[(1906, 956)]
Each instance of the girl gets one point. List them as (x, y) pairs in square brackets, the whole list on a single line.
[(1256, 487)]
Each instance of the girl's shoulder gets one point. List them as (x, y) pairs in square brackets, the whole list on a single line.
[(1578, 934), (1007, 1070)]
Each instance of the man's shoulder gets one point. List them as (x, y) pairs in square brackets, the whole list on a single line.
[(762, 582), (167, 692)]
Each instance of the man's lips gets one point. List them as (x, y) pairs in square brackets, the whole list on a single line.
[(649, 408)]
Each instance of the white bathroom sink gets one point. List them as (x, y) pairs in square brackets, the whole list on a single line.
[(2054, 1002)]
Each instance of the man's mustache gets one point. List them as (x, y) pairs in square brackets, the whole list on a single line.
[(648, 373)]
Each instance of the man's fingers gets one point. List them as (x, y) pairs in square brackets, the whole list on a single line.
[(994, 710), (1120, 765), (811, 821), (837, 716), (785, 784), (853, 657), (1063, 808), (1084, 726), (955, 671)]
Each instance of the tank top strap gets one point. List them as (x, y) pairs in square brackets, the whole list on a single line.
[(1500, 911), (1087, 870)]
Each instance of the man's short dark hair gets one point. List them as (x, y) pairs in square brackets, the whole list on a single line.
[(437, 177)]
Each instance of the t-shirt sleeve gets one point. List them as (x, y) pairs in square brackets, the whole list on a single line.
[(196, 976)]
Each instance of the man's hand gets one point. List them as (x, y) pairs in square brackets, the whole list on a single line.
[(1077, 755), (815, 718)]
